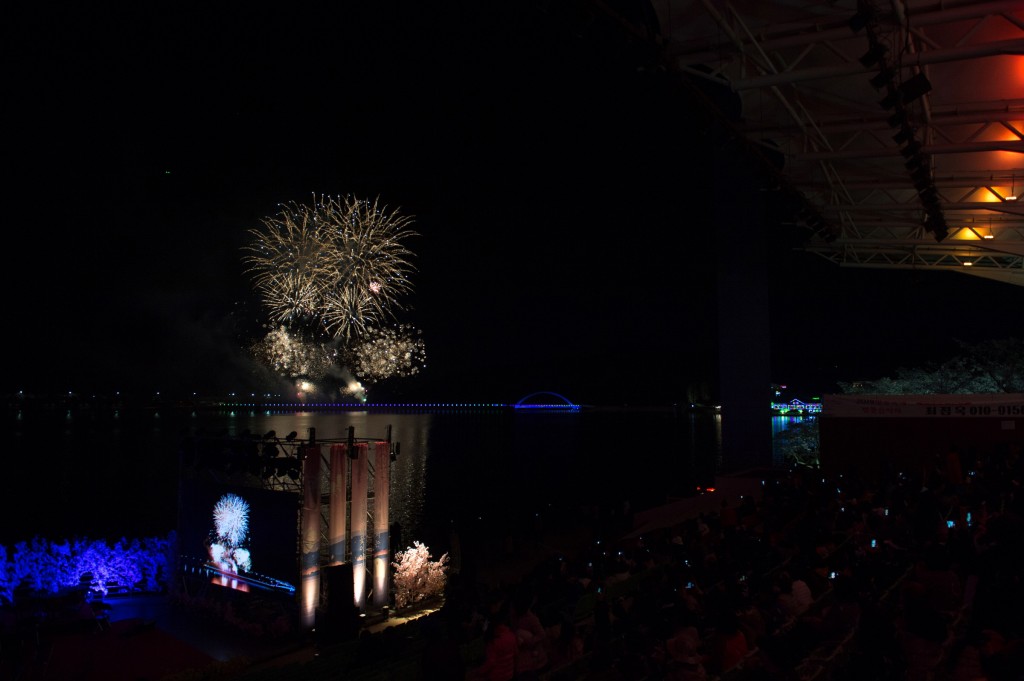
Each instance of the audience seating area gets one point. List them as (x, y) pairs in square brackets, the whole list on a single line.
[(911, 577)]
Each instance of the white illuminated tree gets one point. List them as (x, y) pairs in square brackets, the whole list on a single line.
[(417, 578)]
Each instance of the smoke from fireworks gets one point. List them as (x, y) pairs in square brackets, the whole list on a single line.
[(338, 265), (292, 357), (387, 352)]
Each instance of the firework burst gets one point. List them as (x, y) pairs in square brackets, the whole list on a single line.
[(290, 356), (372, 265), (231, 519), (338, 265), (289, 264), (387, 352)]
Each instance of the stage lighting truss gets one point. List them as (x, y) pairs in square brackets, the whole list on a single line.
[(897, 121)]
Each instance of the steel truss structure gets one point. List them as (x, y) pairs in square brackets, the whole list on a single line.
[(900, 122)]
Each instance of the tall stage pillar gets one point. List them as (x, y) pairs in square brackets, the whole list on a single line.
[(360, 483), (337, 520), (381, 521), (309, 551)]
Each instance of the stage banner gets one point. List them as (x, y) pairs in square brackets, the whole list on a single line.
[(310, 550), (359, 510), (338, 525), (381, 520), (924, 406)]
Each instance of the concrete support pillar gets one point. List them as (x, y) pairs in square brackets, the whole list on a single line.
[(744, 361)]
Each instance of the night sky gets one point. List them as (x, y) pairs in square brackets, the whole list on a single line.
[(565, 202)]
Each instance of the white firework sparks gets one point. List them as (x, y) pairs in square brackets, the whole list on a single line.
[(290, 265), (231, 519), (243, 559), (338, 265), (388, 352), (372, 264), (293, 357)]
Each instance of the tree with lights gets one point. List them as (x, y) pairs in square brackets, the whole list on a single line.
[(417, 577)]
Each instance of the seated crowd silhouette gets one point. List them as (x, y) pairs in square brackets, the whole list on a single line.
[(915, 575)]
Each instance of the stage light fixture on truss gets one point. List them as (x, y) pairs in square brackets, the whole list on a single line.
[(883, 77), (351, 443), (936, 223), (269, 450), (875, 54), (914, 163), (898, 119), (915, 87), (906, 92), (912, 149), (862, 18), (890, 100), (921, 174), (905, 134)]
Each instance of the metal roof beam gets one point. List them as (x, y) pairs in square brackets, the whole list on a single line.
[(992, 49), (1008, 145), (982, 112), (785, 36)]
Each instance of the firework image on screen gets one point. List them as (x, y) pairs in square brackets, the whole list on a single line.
[(227, 551), (241, 539)]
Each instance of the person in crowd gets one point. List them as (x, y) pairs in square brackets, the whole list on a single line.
[(728, 518), (751, 621), (684, 662), (442, 656), (499, 663), (728, 645), (531, 653), (839, 618), (794, 595), (562, 642), (941, 584)]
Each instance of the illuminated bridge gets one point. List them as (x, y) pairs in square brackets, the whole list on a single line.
[(537, 401)]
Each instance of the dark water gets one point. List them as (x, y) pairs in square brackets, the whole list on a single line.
[(105, 473)]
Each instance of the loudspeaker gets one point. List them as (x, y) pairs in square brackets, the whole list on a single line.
[(337, 585), (338, 619)]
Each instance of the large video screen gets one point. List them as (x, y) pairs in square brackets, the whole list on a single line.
[(239, 538)]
